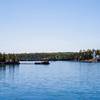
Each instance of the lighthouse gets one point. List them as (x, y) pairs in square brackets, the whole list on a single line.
[(94, 56)]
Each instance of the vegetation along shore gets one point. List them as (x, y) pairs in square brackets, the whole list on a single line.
[(82, 55)]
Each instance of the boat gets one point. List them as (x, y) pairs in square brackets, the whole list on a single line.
[(42, 62)]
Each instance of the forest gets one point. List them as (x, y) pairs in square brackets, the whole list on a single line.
[(59, 56)]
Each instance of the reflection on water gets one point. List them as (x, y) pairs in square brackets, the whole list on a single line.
[(8, 71)]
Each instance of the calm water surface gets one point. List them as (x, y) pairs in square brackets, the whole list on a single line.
[(57, 81)]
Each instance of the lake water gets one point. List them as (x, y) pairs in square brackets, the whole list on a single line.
[(57, 81)]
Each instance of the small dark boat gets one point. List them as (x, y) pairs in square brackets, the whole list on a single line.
[(42, 62)]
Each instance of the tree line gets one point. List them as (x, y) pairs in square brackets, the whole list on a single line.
[(8, 57), (77, 56)]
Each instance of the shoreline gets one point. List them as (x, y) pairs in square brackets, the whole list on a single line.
[(19, 62), (9, 63)]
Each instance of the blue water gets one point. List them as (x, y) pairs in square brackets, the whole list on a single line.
[(57, 81)]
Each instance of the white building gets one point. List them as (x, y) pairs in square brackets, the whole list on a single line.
[(95, 57), (94, 54)]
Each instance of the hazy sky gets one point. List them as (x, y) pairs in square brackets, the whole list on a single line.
[(49, 25)]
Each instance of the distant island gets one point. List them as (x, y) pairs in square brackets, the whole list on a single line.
[(82, 55)]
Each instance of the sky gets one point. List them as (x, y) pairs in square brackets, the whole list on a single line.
[(49, 25)]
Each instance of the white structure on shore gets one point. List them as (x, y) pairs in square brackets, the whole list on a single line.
[(95, 57), (94, 54)]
